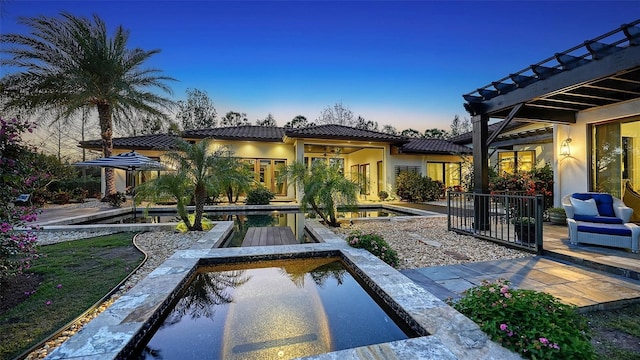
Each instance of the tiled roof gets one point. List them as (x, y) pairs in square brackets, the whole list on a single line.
[(149, 142), (434, 146), (467, 138), (244, 132), (333, 131)]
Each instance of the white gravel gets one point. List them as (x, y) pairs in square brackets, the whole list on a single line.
[(425, 242)]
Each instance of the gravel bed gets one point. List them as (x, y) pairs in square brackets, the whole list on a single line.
[(425, 242)]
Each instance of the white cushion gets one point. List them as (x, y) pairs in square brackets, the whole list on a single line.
[(585, 207)]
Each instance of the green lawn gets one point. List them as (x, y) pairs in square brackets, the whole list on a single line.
[(74, 275)]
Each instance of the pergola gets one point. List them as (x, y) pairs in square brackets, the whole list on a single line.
[(599, 72)]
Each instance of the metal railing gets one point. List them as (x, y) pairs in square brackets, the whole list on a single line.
[(512, 220)]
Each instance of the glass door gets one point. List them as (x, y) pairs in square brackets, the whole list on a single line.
[(280, 186)]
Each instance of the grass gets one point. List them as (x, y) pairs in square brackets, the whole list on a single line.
[(616, 332), (73, 276)]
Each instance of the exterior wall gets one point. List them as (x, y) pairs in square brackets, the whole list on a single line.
[(262, 150), (366, 156), (573, 175)]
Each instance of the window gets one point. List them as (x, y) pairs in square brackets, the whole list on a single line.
[(266, 172), (402, 168), (380, 176), (447, 173), (512, 162)]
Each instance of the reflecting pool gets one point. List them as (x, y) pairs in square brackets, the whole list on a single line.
[(278, 309)]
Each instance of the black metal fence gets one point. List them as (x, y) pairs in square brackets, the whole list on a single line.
[(513, 220)]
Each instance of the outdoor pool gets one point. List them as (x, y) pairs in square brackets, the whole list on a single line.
[(277, 309), (243, 220)]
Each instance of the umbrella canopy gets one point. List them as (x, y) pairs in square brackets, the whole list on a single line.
[(126, 161)]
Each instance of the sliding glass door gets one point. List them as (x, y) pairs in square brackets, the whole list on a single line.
[(615, 156)]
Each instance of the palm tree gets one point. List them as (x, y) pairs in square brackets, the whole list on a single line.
[(199, 172), (70, 63), (324, 188)]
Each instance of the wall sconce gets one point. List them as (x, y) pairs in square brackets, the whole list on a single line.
[(565, 150)]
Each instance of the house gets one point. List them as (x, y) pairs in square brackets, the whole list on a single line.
[(580, 108), (374, 156)]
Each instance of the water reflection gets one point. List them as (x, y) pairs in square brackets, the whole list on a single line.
[(205, 291), (276, 309)]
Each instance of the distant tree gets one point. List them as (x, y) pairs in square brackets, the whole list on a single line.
[(411, 133), (68, 64), (435, 134), (363, 124), (389, 130), (197, 112), (298, 122), (459, 127), (338, 114), (269, 121), (142, 124), (233, 118)]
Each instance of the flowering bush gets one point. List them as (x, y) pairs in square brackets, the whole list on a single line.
[(534, 324), (538, 181), (19, 175), (375, 244)]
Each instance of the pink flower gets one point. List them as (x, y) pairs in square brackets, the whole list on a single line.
[(503, 327), (504, 289), (59, 286), (544, 341), (48, 302)]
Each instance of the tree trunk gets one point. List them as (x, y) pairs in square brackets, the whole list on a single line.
[(200, 196), (106, 134)]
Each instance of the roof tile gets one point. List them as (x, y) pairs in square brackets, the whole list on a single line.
[(334, 131), (434, 146)]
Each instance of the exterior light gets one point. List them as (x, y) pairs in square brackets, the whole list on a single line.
[(565, 149)]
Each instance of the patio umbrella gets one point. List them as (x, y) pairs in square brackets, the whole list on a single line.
[(130, 161)]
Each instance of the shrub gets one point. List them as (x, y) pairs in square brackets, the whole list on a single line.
[(412, 186), (79, 194), (375, 244), (383, 195), (20, 172), (61, 197), (534, 324), (260, 196), (115, 200)]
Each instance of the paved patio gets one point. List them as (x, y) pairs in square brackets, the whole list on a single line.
[(587, 276)]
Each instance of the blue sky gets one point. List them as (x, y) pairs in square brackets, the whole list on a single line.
[(401, 63)]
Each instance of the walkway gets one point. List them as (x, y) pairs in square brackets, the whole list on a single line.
[(269, 235), (588, 276)]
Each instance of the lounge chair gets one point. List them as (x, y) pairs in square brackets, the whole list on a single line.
[(600, 219)]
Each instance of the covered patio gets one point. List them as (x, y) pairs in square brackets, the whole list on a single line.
[(590, 95)]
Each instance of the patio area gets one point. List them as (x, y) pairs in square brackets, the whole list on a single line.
[(587, 276)]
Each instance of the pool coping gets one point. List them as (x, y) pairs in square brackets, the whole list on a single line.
[(120, 328)]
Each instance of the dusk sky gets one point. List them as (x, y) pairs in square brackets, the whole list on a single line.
[(401, 63)]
